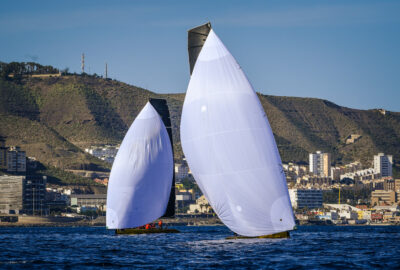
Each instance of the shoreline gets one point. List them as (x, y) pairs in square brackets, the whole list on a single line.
[(168, 224), (31, 221)]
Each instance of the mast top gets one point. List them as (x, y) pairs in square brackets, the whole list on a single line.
[(196, 38)]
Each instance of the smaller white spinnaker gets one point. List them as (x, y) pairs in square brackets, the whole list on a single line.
[(141, 176)]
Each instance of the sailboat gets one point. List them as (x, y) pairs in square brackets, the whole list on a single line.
[(141, 177), (229, 145)]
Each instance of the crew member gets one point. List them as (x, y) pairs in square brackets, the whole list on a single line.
[(160, 224)]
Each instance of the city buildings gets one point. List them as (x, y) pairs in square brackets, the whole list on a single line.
[(201, 206), (12, 159), (181, 171), (320, 163), (97, 201), (388, 197), (389, 184), (35, 195), (366, 174), (314, 181), (184, 197), (11, 191), (294, 172), (57, 199), (16, 160), (345, 211), (23, 194), (3, 155), (301, 198), (106, 153), (397, 185), (383, 164), (336, 172)]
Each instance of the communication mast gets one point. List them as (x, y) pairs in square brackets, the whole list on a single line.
[(83, 63), (106, 71)]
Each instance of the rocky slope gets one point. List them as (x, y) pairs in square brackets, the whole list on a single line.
[(53, 119)]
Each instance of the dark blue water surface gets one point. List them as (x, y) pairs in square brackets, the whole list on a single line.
[(313, 247)]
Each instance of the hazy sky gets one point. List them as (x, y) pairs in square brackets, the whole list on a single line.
[(343, 51)]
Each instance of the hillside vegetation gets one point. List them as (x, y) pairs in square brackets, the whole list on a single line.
[(55, 118)]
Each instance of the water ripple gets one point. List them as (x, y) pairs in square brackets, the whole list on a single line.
[(314, 247)]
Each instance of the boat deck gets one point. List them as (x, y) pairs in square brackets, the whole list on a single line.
[(275, 235), (144, 231)]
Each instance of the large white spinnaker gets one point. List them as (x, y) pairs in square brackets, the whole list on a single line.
[(141, 175), (230, 147)]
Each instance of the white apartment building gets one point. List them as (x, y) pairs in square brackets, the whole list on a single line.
[(106, 153), (344, 210), (301, 198), (366, 174), (320, 163), (336, 172), (383, 164)]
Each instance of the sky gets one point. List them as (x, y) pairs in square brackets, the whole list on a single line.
[(343, 51)]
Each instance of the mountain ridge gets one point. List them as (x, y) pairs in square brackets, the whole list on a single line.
[(59, 116)]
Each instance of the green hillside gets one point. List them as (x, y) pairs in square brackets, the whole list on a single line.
[(54, 118)]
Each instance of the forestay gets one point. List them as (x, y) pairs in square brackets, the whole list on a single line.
[(230, 148), (141, 176)]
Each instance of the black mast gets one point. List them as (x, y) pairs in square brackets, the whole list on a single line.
[(160, 105), (196, 38)]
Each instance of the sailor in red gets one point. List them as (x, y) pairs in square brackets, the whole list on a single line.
[(147, 226), (160, 224)]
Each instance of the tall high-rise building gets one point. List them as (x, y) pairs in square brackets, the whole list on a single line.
[(383, 164), (11, 194), (320, 163), (34, 195), (3, 154), (16, 160)]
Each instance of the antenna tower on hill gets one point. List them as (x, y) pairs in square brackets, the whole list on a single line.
[(106, 71), (83, 63)]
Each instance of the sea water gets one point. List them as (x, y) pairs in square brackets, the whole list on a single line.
[(310, 247)]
